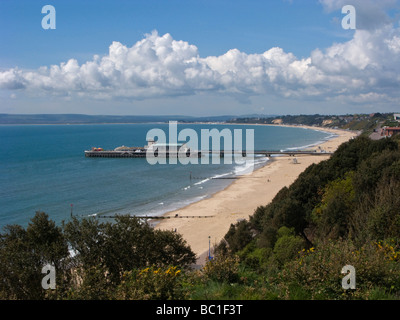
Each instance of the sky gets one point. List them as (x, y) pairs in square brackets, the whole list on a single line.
[(199, 57)]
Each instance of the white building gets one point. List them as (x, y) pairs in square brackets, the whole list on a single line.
[(166, 147)]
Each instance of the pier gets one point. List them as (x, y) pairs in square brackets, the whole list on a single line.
[(115, 154), (142, 153)]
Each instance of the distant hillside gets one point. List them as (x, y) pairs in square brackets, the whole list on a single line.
[(367, 123), (361, 122), (95, 119)]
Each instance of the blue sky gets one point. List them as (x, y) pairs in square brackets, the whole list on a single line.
[(198, 57), (85, 28)]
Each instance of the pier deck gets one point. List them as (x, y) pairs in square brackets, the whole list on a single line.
[(142, 154)]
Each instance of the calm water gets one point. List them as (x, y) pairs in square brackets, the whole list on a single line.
[(44, 168)]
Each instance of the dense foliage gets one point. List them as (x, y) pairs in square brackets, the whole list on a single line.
[(91, 259), (344, 210)]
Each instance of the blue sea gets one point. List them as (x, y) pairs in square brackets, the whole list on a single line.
[(43, 168)]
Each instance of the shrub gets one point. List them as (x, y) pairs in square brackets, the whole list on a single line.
[(288, 245), (255, 258), (92, 283), (222, 269), (318, 271), (151, 284)]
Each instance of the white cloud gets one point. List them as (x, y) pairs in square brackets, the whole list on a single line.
[(366, 67), (11, 79)]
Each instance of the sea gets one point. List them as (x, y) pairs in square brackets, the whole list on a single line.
[(43, 168)]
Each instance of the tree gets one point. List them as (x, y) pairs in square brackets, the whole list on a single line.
[(47, 240), (333, 213), (23, 254), (86, 238), (384, 216), (124, 245), (372, 170), (238, 236)]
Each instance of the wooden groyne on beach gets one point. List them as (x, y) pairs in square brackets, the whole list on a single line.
[(156, 217)]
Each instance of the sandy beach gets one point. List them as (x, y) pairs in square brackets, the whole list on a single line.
[(240, 199)]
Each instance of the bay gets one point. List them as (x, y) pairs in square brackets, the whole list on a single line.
[(43, 168)]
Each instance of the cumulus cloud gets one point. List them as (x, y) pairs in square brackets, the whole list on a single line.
[(363, 69)]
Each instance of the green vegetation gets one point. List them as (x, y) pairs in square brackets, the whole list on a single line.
[(366, 123), (342, 211), (106, 256)]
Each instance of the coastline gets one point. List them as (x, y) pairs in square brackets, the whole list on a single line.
[(242, 197)]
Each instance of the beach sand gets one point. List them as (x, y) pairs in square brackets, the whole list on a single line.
[(241, 198)]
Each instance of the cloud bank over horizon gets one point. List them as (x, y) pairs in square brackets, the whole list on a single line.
[(365, 69)]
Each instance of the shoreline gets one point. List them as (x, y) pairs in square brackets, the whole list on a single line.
[(243, 196)]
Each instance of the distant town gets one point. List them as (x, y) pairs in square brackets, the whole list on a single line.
[(376, 125)]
